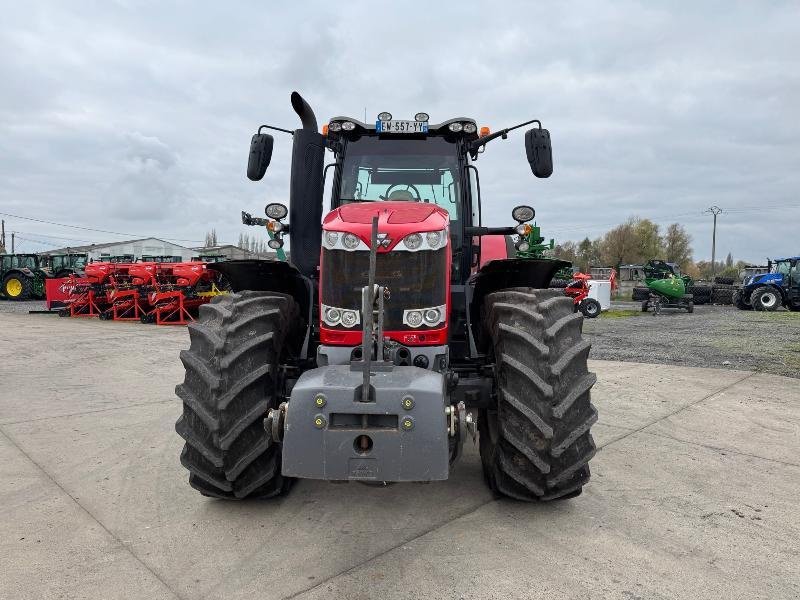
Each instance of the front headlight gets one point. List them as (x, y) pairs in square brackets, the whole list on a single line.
[(350, 241), (412, 318), (329, 239), (333, 316), (412, 241), (432, 240), (349, 318), (431, 317)]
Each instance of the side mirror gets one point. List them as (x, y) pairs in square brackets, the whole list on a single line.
[(539, 151), (260, 155)]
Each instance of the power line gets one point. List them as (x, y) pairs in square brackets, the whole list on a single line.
[(95, 229), (56, 237)]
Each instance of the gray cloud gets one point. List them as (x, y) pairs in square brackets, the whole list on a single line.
[(137, 118)]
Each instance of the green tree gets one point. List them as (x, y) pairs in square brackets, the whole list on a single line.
[(648, 240)]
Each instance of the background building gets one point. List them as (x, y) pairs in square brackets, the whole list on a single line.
[(137, 248)]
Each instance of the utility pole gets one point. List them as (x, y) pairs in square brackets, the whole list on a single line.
[(714, 210)]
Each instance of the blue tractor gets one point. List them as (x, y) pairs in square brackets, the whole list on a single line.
[(767, 291)]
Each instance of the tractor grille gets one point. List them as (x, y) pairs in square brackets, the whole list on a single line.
[(414, 279)]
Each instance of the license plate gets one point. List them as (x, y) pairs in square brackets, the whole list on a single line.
[(401, 126)]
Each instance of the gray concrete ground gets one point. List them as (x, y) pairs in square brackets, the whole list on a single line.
[(694, 494)]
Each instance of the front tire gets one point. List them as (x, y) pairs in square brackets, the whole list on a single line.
[(766, 298), (590, 308), (232, 370), (535, 443), (742, 300)]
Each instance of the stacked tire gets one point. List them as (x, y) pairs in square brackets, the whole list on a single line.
[(722, 294), (559, 283), (640, 294), (701, 293)]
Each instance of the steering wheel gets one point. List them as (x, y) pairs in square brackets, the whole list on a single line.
[(409, 187)]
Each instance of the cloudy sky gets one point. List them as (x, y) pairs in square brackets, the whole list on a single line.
[(135, 117)]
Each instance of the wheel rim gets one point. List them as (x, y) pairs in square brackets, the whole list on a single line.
[(768, 300), (592, 309), (14, 287)]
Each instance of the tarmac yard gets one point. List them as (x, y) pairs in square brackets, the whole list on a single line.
[(694, 492)]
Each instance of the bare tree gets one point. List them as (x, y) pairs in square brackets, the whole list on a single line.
[(620, 245), (677, 245)]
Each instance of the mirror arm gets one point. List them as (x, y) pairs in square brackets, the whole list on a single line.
[(503, 133), (290, 132)]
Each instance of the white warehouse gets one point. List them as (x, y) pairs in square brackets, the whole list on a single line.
[(136, 248)]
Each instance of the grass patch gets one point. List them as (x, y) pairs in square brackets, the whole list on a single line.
[(619, 313)]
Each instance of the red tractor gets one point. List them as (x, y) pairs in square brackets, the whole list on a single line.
[(388, 340)]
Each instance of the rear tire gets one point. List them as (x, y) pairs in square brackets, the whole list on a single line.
[(231, 382), (17, 287), (535, 444), (766, 298)]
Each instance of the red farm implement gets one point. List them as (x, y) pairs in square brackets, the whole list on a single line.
[(580, 288), (150, 292), (178, 292)]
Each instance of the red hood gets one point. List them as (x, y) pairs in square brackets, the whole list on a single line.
[(397, 219)]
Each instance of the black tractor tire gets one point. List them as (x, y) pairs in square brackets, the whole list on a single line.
[(21, 285), (559, 283), (640, 293), (701, 293), (724, 280), (591, 308), (645, 305), (741, 300), (535, 444), (766, 298), (232, 373), (722, 295)]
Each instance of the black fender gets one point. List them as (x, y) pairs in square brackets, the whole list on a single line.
[(508, 273), (272, 276), (26, 273)]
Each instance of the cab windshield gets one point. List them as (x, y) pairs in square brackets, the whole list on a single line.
[(405, 170)]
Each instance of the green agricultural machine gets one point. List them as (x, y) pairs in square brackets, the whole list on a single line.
[(21, 276), (667, 289)]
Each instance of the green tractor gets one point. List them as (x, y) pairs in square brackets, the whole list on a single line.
[(64, 265), (21, 276), (667, 288)]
